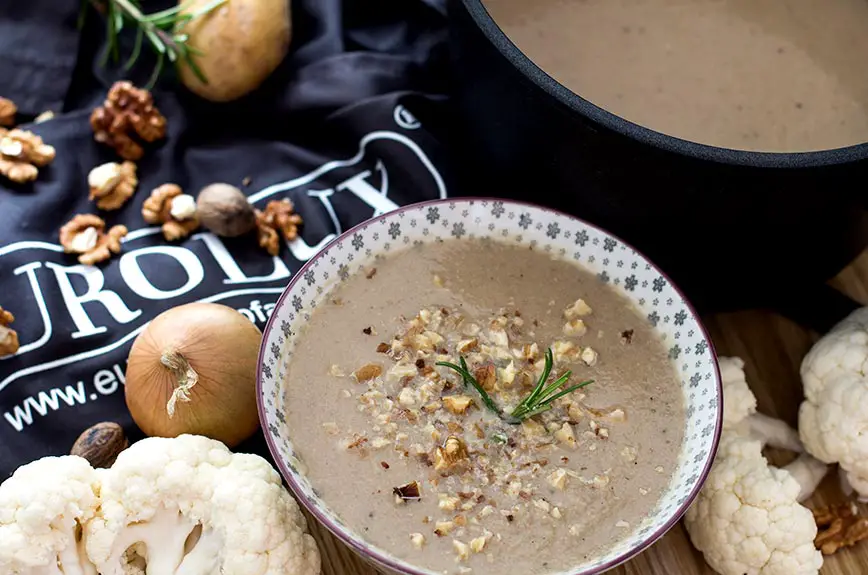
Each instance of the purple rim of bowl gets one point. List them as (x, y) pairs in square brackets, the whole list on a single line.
[(373, 553)]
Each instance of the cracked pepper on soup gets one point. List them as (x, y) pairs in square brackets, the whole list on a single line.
[(474, 407), (781, 75)]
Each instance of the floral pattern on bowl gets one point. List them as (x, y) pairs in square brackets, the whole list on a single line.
[(613, 261)]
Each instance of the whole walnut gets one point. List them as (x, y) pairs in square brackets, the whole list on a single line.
[(224, 210), (126, 119)]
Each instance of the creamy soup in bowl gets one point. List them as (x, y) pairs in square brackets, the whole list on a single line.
[(477, 386)]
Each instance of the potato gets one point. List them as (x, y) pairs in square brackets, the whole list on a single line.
[(242, 41)]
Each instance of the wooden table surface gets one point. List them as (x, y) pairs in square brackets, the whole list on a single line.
[(772, 348)]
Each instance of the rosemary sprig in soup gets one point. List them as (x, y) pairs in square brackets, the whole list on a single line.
[(539, 400)]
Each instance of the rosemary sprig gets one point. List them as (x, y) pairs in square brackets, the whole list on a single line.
[(538, 401), (162, 31), (468, 378)]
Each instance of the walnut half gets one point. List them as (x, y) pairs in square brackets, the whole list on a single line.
[(168, 205), (8, 109), (8, 336), (22, 153), (127, 118), (85, 235), (279, 215), (839, 526), (112, 184), (452, 454)]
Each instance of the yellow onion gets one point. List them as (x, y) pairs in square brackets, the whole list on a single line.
[(193, 370)]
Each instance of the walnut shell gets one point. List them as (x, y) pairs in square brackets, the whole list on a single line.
[(224, 210), (101, 444)]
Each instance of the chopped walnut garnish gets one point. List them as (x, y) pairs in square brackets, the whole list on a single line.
[(451, 454), (578, 309), (838, 527), (448, 503), (461, 549), (408, 492), (575, 328), (357, 441), (507, 374), (22, 153), (558, 479), (566, 436), (600, 481), (368, 372), (457, 404), (486, 375), (589, 356), (443, 528), (8, 336), (468, 345), (8, 109), (169, 206), (478, 544), (418, 540), (112, 184), (127, 119), (564, 351), (383, 348), (85, 235)]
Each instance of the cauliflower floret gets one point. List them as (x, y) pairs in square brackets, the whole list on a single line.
[(42, 508), (746, 520), (198, 509), (739, 410), (740, 401), (833, 415), (844, 350), (831, 426)]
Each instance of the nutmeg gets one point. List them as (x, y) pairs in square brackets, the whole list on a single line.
[(101, 444), (224, 210)]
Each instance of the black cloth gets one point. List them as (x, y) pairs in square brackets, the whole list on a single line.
[(350, 125)]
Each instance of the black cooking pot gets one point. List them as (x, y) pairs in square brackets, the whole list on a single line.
[(734, 229)]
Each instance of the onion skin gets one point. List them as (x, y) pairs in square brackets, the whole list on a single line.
[(222, 347)]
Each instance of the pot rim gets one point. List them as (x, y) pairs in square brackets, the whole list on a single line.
[(571, 100)]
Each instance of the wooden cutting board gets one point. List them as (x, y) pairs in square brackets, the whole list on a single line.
[(772, 348)]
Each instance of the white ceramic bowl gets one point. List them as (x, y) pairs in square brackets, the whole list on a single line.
[(611, 259)]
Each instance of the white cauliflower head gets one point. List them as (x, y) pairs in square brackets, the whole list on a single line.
[(43, 507), (739, 402), (834, 414), (190, 506), (844, 350), (747, 521)]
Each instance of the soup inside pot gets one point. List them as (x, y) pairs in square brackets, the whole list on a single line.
[(781, 76)]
